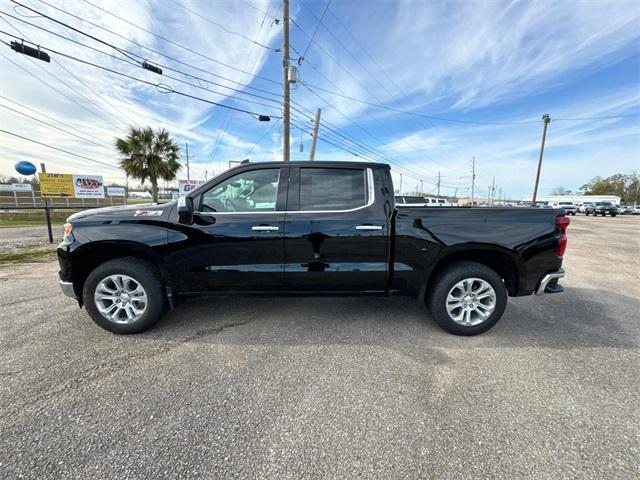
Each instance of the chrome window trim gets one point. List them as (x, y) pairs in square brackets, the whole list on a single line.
[(371, 194)]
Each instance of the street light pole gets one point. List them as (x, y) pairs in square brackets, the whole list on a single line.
[(546, 119)]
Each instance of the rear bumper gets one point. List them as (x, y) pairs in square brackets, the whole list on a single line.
[(549, 283)]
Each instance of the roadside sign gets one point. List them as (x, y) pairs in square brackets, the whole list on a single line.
[(4, 187), (67, 185), (88, 186), (56, 185), (185, 186), (22, 187), (115, 191)]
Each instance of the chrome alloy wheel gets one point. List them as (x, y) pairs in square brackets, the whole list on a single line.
[(471, 301), (120, 298)]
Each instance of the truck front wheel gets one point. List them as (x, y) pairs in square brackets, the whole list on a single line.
[(124, 295), (467, 298)]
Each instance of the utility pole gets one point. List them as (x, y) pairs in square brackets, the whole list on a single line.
[(187, 145), (421, 187), (401, 183), (493, 190), (438, 184), (546, 119), (285, 64), (473, 178), (314, 139)]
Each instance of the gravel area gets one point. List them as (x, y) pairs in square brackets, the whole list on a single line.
[(330, 388)]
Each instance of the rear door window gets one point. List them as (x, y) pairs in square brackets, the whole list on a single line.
[(332, 188)]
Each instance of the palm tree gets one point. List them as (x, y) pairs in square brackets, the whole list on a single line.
[(149, 155)]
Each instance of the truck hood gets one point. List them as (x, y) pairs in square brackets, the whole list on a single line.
[(125, 212)]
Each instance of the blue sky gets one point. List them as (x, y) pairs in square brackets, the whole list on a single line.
[(481, 73)]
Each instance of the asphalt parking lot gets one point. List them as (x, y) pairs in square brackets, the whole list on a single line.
[(331, 388)]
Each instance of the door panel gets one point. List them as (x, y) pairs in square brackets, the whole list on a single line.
[(239, 250), (329, 249)]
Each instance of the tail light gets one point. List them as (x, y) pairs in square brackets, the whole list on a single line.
[(562, 223)]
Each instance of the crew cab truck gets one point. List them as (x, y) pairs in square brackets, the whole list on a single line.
[(308, 228)]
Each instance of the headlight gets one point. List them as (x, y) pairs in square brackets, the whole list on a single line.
[(68, 233)]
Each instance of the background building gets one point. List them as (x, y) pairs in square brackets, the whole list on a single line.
[(577, 199)]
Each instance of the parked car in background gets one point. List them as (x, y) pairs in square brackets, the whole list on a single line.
[(625, 209), (636, 210), (437, 202), (602, 208), (583, 207), (568, 207)]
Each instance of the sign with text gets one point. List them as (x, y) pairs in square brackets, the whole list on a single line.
[(22, 187), (88, 186), (56, 185), (115, 191), (67, 185), (185, 186)]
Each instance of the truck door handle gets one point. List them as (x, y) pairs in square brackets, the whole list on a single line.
[(265, 228), (368, 227)]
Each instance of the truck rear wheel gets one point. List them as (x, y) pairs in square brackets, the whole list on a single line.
[(467, 298), (124, 295)]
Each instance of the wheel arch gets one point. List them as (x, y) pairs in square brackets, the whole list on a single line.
[(87, 257), (500, 260)]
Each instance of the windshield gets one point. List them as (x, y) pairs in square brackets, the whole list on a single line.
[(604, 204)]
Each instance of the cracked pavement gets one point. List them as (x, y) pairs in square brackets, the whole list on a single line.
[(330, 387)]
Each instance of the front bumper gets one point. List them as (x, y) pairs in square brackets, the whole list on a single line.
[(67, 289), (549, 283)]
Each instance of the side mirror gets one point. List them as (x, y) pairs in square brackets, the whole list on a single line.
[(185, 210)]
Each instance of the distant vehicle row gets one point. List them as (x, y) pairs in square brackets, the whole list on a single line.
[(416, 201)]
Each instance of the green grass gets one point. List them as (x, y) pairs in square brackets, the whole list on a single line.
[(26, 255), (29, 221)]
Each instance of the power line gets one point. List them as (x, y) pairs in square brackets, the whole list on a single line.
[(159, 86), (228, 116), (51, 118), (165, 67), (324, 12), (135, 43), (207, 20), (53, 126), (77, 79), (58, 149), (55, 89), (381, 142)]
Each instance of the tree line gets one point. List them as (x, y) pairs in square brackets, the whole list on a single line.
[(625, 186)]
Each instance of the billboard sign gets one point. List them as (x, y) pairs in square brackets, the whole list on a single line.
[(115, 191), (67, 185), (88, 186), (56, 185), (186, 186)]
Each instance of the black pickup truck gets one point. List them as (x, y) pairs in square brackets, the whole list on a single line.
[(328, 228)]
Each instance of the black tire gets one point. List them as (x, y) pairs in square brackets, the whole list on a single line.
[(141, 272), (444, 281), (586, 213), (614, 214)]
